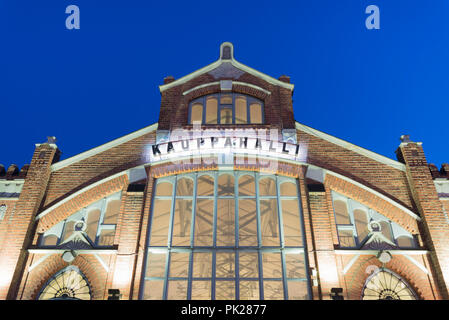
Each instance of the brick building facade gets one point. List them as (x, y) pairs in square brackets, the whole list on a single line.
[(226, 197)]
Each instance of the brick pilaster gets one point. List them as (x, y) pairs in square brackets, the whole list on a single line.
[(324, 246), (13, 254), (125, 262), (435, 228)]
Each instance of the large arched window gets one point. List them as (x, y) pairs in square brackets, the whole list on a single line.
[(384, 284), (226, 108), (67, 284), (225, 235)]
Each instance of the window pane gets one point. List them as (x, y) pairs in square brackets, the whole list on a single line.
[(160, 222), (155, 264), (269, 221), (211, 110), (225, 185), (272, 265), (297, 290), (112, 212), (288, 189), (226, 116), (248, 265), (177, 290), (179, 264), (153, 289), (240, 110), (205, 185), (404, 241), (256, 113), (249, 290), (225, 222), (341, 212), (346, 238), (247, 186), (50, 240), (247, 222), (291, 222), (204, 222), (164, 189), (201, 290), (225, 265), (295, 266), (225, 290), (197, 113), (267, 187), (184, 187), (386, 230), (181, 223), (69, 228), (273, 290), (361, 224), (226, 99), (106, 237), (202, 265), (92, 223)]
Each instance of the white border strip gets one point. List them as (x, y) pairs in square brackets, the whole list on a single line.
[(201, 86), (350, 263), (101, 262), (375, 252), (38, 262), (81, 251), (104, 147), (416, 263), (347, 145), (249, 85)]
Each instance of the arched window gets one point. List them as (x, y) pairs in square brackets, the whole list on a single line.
[(95, 224), (196, 115), (67, 284), (358, 225), (384, 284), (226, 108)]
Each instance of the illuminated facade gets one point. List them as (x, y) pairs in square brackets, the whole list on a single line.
[(226, 197)]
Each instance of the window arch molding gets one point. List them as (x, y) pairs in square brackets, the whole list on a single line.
[(226, 109), (392, 287)]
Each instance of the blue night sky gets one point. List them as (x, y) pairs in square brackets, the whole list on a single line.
[(92, 85)]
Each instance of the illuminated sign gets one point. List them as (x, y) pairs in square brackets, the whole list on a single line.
[(203, 146)]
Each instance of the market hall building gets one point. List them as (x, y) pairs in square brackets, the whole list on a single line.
[(226, 197)]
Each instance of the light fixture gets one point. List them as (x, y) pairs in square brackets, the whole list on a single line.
[(114, 294), (384, 256), (336, 294), (69, 256)]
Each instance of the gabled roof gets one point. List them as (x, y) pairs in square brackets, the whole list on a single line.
[(226, 61)]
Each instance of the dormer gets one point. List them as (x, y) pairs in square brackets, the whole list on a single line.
[(226, 94)]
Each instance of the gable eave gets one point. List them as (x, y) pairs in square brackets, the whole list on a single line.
[(218, 63)]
